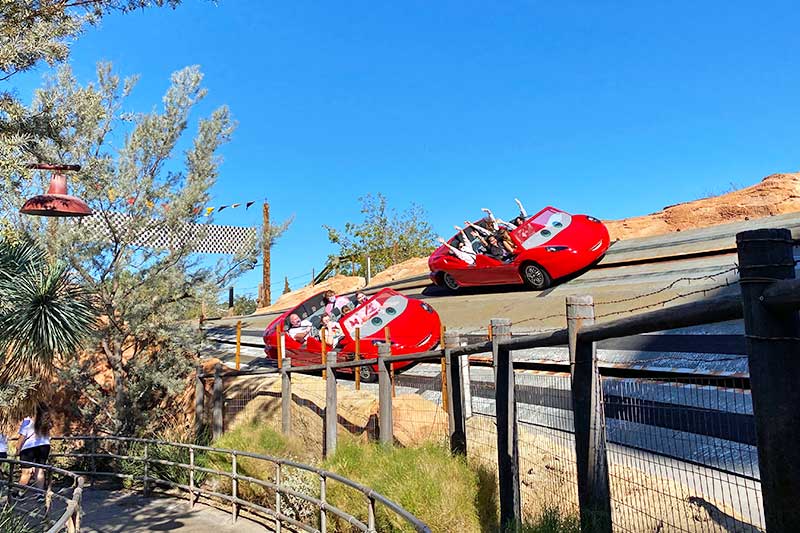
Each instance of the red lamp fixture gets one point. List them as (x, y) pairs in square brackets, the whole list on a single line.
[(56, 202)]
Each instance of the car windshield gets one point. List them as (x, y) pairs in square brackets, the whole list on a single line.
[(541, 228), (311, 310)]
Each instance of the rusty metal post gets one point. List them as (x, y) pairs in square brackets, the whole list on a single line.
[(594, 493)]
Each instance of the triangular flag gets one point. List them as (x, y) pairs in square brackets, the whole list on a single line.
[(234, 206), (220, 208), (149, 204), (209, 210), (248, 204), (196, 210), (112, 194), (131, 200)]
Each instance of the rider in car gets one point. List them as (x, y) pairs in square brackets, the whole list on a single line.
[(495, 250), (299, 329)]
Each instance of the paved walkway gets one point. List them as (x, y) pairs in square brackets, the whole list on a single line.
[(115, 511)]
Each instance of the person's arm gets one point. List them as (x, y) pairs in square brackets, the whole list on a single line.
[(521, 209), (463, 235), (491, 217), (508, 224), (480, 229), (455, 250)]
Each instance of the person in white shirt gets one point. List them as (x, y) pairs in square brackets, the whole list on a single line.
[(299, 330), (3, 446), (34, 444), (462, 252)]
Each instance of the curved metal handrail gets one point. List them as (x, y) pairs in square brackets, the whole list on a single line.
[(70, 518), (281, 490)]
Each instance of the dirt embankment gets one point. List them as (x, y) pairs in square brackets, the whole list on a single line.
[(774, 195)]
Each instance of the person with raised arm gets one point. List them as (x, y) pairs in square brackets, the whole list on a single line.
[(462, 252)]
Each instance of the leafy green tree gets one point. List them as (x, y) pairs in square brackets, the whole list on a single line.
[(244, 305), (386, 236), (133, 167), (44, 314)]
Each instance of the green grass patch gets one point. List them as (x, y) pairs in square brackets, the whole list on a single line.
[(256, 438), (445, 492), (550, 520), (439, 489)]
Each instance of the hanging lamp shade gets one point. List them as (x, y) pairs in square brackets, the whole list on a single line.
[(56, 202)]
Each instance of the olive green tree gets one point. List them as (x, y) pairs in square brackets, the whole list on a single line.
[(388, 237), (132, 167)]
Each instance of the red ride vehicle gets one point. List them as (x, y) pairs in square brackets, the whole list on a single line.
[(413, 326), (549, 245)]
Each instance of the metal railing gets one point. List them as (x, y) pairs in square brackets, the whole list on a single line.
[(69, 520), (97, 449)]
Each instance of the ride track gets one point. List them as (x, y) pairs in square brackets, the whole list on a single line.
[(635, 275)]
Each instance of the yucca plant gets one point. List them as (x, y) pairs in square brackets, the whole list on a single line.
[(43, 314)]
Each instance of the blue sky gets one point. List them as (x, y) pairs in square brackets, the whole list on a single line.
[(607, 108)]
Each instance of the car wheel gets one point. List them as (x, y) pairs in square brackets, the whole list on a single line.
[(449, 282), (535, 276), (367, 374)]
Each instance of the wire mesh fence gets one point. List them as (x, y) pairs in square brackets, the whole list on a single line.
[(682, 455), (681, 451), (546, 443), (418, 408)]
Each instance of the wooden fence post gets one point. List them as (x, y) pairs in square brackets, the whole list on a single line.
[(329, 444), (773, 349), (455, 396), (199, 404), (507, 448), (286, 396), (238, 344), (501, 330), (217, 402), (385, 423), (594, 495)]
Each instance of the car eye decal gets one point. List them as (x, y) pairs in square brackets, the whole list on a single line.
[(391, 311), (377, 321), (556, 223)]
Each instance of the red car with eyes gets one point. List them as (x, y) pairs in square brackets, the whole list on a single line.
[(549, 245), (413, 326)]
